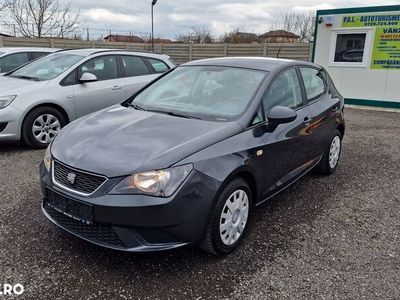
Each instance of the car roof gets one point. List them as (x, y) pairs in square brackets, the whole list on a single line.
[(258, 63), (27, 49), (92, 51)]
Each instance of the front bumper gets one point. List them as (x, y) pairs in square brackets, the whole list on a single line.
[(138, 223), (11, 117)]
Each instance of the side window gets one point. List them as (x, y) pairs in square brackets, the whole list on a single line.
[(12, 61), (314, 83), (134, 66), (104, 67), (158, 65), (284, 91), (35, 55), (70, 79)]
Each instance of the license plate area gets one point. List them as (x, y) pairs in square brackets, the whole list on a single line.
[(77, 210)]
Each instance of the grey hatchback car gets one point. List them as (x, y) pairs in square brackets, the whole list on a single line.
[(186, 160), (38, 99)]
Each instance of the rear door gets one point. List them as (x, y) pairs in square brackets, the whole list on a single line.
[(322, 108), (136, 73), (106, 91), (285, 152)]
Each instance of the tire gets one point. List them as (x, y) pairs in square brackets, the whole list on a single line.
[(47, 120), (214, 242), (328, 165)]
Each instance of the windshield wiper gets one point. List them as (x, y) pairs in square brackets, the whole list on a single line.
[(25, 77), (135, 106), (170, 113), (175, 114)]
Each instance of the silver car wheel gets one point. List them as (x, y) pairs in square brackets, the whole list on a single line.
[(234, 217), (334, 152), (45, 128)]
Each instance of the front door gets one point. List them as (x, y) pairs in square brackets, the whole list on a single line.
[(106, 91), (284, 153)]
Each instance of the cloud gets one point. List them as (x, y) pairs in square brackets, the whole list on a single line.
[(102, 15), (174, 16)]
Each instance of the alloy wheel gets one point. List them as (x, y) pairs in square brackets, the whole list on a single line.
[(45, 128)]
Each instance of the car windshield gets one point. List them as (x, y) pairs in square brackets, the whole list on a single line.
[(206, 92), (48, 67)]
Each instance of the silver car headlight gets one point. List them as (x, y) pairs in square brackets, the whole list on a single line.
[(6, 100), (47, 158), (161, 183)]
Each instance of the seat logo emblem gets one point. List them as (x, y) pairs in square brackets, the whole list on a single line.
[(71, 178)]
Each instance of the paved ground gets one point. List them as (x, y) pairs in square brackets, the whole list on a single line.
[(325, 237)]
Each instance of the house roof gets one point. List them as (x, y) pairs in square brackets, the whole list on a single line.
[(5, 35), (279, 33), (124, 38), (247, 35)]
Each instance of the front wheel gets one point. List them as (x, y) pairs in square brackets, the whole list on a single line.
[(229, 220), (330, 159), (41, 126)]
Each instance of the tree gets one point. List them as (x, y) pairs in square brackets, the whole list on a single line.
[(298, 23), (42, 18), (196, 35), (237, 37)]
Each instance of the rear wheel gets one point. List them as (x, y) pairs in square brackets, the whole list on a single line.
[(229, 220), (41, 126), (330, 159)]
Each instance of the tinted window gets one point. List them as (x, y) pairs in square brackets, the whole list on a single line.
[(134, 66), (12, 61), (104, 67), (158, 65), (35, 55), (350, 47), (313, 82), (284, 91)]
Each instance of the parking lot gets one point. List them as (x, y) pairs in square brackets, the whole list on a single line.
[(324, 237)]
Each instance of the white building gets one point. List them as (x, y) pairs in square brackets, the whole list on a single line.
[(360, 48)]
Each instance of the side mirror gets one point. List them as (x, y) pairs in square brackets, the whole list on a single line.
[(280, 115), (88, 77)]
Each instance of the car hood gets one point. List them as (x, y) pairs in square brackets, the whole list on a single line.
[(119, 141), (9, 85)]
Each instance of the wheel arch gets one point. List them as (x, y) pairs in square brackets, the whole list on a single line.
[(341, 129), (47, 104), (246, 174)]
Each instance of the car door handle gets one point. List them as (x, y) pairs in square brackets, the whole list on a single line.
[(116, 87)]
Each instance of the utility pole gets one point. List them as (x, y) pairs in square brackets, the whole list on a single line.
[(154, 2)]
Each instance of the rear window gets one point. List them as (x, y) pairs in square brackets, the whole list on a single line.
[(158, 65)]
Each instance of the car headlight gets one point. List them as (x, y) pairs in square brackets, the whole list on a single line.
[(162, 183), (6, 100), (47, 158)]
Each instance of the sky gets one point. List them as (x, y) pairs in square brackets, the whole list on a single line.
[(178, 16)]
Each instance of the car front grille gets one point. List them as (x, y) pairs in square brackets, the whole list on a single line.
[(78, 181), (96, 233)]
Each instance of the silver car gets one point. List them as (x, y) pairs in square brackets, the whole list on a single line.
[(38, 99), (12, 58)]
